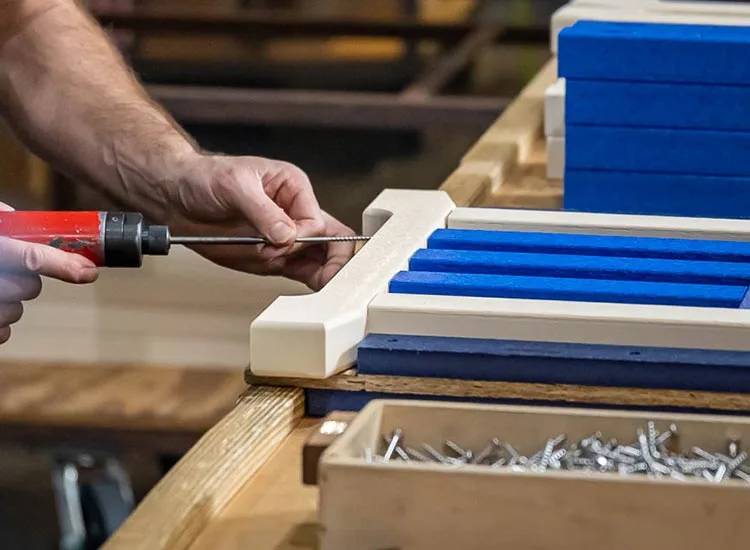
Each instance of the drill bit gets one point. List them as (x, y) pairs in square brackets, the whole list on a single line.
[(261, 240)]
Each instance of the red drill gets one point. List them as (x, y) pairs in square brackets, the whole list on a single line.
[(113, 239)]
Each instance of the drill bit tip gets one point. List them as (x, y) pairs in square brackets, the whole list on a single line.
[(261, 240)]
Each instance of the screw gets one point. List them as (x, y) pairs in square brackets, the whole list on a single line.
[(650, 454), (392, 444)]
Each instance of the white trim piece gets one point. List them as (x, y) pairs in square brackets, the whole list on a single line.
[(555, 221), (701, 13), (315, 336), (555, 157), (554, 109), (673, 6), (561, 321)]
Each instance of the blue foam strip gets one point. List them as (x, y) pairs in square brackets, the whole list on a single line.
[(654, 105), (554, 363), (657, 194), (581, 267), (592, 245), (319, 403), (551, 288), (695, 152), (599, 50)]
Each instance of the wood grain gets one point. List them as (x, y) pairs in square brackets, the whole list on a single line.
[(562, 393), (509, 151), (198, 488), (134, 398), (274, 510)]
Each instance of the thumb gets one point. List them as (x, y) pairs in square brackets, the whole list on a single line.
[(19, 256), (262, 212)]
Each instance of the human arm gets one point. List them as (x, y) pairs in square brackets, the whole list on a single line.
[(69, 95)]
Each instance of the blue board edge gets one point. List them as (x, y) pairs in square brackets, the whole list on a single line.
[(319, 403), (554, 363)]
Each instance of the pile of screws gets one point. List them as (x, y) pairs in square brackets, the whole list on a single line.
[(652, 453)]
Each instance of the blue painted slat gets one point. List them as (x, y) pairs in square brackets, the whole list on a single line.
[(593, 245), (666, 151), (319, 403), (554, 363), (551, 288), (657, 105), (657, 194), (581, 267), (652, 52)]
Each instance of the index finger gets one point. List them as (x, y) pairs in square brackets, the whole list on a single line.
[(19, 256)]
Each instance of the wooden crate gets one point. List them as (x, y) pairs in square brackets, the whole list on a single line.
[(433, 506)]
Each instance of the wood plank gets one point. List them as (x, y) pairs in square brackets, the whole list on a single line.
[(273, 510), (127, 397), (200, 486), (553, 393)]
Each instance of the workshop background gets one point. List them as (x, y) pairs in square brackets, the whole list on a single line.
[(361, 94)]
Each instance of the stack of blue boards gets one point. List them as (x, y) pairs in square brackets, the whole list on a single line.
[(657, 118), (557, 266)]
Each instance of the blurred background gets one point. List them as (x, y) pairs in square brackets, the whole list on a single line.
[(361, 94)]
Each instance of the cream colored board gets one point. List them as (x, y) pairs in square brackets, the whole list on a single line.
[(560, 321), (554, 109), (567, 15), (511, 219), (555, 157), (316, 336), (177, 311)]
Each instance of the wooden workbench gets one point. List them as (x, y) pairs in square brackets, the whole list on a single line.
[(240, 485)]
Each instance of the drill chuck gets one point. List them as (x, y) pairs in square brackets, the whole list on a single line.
[(127, 238)]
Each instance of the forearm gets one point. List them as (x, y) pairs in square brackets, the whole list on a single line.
[(68, 94)]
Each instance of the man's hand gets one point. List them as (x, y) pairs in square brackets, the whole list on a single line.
[(252, 196), (73, 101), (21, 267)]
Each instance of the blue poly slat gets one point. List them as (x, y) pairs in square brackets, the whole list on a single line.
[(590, 245), (319, 403), (668, 151), (553, 363), (581, 267), (581, 290), (655, 105), (657, 194), (653, 52)]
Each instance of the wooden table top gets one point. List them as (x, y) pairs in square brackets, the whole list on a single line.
[(136, 398)]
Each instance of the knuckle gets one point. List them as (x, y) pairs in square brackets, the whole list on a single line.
[(294, 174), (32, 259), (4, 334)]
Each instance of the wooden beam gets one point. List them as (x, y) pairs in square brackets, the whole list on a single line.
[(552, 393), (191, 104), (447, 67), (200, 485), (264, 23)]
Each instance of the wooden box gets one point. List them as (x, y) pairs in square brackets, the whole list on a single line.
[(413, 505)]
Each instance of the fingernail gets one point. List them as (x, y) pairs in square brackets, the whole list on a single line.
[(88, 274), (281, 233)]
